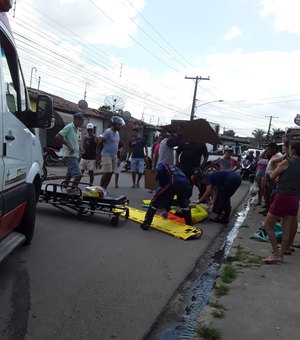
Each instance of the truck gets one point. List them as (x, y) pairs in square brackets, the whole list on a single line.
[(21, 159)]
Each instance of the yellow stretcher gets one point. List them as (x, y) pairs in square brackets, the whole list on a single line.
[(164, 225)]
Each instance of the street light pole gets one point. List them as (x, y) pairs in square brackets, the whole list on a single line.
[(212, 101), (35, 69)]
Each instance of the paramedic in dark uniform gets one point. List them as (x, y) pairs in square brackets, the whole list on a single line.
[(220, 186), (172, 181)]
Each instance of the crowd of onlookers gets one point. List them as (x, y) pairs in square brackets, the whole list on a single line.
[(277, 175)]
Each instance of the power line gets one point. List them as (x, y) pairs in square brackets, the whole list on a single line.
[(157, 32)]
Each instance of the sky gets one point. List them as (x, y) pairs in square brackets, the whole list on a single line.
[(141, 52)]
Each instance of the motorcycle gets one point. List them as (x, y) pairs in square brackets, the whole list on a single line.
[(53, 156), (44, 173), (247, 169)]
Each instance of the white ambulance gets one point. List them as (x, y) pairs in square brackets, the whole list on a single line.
[(21, 159)]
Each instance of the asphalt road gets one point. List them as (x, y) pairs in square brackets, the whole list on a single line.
[(85, 279)]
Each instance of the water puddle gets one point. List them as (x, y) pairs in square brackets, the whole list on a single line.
[(203, 285)]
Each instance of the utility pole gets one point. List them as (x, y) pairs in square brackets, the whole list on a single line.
[(269, 128), (197, 79), (121, 68)]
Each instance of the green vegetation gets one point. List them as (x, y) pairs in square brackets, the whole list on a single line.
[(221, 289), (247, 259), (229, 273), (241, 254), (217, 305), (208, 332), (219, 314)]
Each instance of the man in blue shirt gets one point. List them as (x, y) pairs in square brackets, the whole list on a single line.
[(107, 150)]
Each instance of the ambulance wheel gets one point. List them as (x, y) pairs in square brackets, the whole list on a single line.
[(115, 221), (127, 214), (27, 224)]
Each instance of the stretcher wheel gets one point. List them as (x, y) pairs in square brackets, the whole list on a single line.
[(127, 214), (115, 221)]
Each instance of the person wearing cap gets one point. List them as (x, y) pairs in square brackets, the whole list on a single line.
[(226, 162), (68, 137), (107, 150), (88, 157)]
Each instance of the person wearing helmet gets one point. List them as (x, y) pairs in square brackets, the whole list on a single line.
[(107, 150), (88, 157)]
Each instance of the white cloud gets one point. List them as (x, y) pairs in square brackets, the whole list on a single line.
[(285, 13), (235, 76), (97, 21), (234, 32)]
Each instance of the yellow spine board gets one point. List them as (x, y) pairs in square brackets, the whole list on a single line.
[(164, 225)]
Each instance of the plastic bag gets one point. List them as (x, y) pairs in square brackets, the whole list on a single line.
[(254, 189), (261, 235)]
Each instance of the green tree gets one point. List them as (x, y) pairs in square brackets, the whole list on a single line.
[(104, 108), (229, 133), (277, 135), (260, 136)]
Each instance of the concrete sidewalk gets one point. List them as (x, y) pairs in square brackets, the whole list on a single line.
[(263, 301)]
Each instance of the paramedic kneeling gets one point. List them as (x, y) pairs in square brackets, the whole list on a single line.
[(220, 186), (172, 181)]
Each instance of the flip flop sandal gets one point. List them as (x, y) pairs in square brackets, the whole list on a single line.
[(272, 260)]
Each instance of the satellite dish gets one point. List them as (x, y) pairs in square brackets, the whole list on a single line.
[(114, 102), (82, 104), (126, 115)]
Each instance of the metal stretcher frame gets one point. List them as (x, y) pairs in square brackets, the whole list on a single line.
[(78, 204)]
